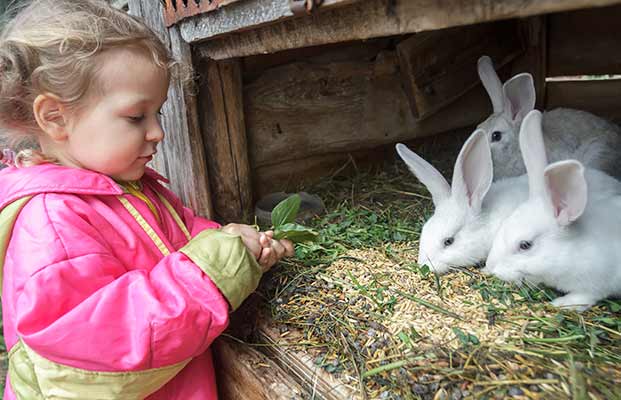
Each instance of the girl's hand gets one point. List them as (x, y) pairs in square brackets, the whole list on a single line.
[(249, 236), (273, 250), (261, 245)]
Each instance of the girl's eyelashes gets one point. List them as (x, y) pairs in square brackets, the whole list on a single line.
[(141, 117), (136, 118)]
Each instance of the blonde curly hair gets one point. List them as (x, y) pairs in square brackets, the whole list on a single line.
[(53, 46)]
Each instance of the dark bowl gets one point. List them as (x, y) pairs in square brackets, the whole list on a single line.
[(310, 206)]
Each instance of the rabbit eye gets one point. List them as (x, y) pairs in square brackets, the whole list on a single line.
[(496, 136), (526, 244), (448, 241)]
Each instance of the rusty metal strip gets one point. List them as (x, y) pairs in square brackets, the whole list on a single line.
[(176, 10)]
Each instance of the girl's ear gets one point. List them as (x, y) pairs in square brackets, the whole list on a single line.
[(567, 190), (49, 112), (491, 82), (533, 151), (519, 95), (426, 173), (473, 173)]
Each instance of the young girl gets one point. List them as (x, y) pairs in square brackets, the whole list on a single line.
[(112, 289)]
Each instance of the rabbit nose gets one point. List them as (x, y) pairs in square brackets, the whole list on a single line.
[(487, 270)]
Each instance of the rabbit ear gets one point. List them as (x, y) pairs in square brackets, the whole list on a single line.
[(473, 173), (533, 152), (519, 95), (567, 190), (426, 173), (491, 83)]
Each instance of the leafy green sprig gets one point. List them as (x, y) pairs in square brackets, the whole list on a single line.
[(283, 221)]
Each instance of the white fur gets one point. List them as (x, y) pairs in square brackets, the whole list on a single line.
[(568, 133), (572, 220), (471, 212)]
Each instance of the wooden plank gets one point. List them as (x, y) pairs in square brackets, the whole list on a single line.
[(600, 97), (312, 108), (246, 15), (376, 18), (585, 42), (181, 156), (439, 66), (224, 133), (245, 373)]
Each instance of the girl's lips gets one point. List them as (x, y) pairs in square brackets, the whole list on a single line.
[(147, 158)]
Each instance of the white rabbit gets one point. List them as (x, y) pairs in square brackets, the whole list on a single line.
[(556, 237), (568, 133), (468, 214)]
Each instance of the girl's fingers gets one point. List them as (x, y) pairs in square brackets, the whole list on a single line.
[(264, 240), (289, 249), (254, 248), (270, 234), (266, 255)]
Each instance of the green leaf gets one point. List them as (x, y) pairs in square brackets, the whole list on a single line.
[(286, 211), (295, 232)]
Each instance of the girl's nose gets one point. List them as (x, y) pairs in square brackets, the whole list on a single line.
[(155, 133)]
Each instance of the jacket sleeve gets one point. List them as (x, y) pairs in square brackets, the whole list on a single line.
[(75, 302)]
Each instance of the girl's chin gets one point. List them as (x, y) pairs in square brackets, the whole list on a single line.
[(133, 175)]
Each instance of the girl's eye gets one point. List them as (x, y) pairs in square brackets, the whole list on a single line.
[(136, 118), (525, 245)]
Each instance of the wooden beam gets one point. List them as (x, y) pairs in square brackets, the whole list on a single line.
[(585, 42), (248, 14), (224, 134), (376, 18), (181, 156)]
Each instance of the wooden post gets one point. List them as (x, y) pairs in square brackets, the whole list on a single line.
[(181, 156), (224, 135), (534, 60)]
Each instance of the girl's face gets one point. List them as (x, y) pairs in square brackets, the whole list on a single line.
[(117, 131)]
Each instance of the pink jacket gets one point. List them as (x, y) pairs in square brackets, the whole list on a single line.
[(86, 287)]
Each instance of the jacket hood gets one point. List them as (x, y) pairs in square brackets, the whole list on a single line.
[(51, 178)]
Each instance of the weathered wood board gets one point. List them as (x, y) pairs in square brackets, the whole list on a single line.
[(306, 109), (365, 19), (245, 373)]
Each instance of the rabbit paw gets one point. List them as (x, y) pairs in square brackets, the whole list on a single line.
[(575, 301)]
